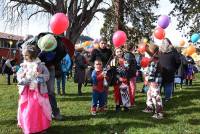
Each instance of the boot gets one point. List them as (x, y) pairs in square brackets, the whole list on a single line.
[(190, 83), (79, 89)]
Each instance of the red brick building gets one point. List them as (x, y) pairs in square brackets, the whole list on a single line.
[(8, 46)]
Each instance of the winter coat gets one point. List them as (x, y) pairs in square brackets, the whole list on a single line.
[(169, 63)]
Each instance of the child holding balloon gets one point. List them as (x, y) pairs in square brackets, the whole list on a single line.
[(154, 100)]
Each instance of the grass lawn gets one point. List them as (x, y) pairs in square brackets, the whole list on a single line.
[(182, 113)]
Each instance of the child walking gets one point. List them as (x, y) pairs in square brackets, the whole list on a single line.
[(99, 87), (154, 100), (34, 109)]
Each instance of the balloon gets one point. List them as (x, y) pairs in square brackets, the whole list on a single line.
[(119, 38), (190, 50), (86, 43), (163, 21), (96, 45), (159, 33), (142, 48), (195, 37), (182, 43), (59, 23), (144, 62), (145, 41)]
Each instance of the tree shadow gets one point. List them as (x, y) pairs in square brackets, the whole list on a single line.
[(78, 98), (8, 122), (194, 121)]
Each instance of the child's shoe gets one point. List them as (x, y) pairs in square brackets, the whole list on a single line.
[(93, 111), (102, 109), (126, 109), (117, 108), (147, 110), (158, 116)]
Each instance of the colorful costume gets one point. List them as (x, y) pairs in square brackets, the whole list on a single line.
[(34, 109)]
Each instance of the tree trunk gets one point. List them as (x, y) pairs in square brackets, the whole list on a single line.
[(118, 5)]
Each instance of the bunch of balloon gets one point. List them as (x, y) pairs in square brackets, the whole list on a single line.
[(59, 23), (163, 22)]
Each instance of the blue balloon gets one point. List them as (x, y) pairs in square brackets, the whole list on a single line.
[(195, 37)]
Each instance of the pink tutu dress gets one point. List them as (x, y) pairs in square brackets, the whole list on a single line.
[(34, 109)]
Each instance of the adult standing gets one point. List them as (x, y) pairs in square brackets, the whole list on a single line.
[(169, 61), (50, 55), (7, 69), (80, 67), (65, 65), (103, 53)]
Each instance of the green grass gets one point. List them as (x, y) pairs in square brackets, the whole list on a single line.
[(182, 113)]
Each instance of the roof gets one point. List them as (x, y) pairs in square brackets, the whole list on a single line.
[(10, 36)]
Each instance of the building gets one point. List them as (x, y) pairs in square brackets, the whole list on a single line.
[(8, 48)]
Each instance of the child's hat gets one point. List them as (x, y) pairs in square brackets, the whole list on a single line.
[(47, 43)]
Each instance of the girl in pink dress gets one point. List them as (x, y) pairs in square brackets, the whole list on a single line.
[(34, 110)]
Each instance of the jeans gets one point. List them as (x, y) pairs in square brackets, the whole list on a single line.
[(51, 91), (98, 97), (168, 88), (63, 79)]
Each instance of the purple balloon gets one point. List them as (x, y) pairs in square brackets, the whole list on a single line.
[(163, 21)]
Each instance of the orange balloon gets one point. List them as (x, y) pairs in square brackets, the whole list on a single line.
[(190, 50), (182, 43)]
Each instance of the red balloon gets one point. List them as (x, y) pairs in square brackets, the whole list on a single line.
[(144, 62), (141, 48), (119, 38), (159, 33), (59, 23)]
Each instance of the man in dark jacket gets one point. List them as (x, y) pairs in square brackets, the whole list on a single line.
[(169, 60), (102, 53)]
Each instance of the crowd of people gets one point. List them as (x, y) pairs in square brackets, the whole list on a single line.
[(104, 68)]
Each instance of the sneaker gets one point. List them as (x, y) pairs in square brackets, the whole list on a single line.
[(58, 117), (147, 110), (93, 111), (158, 116)]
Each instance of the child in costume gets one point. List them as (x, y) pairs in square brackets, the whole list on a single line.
[(34, 109), (121, 86), (189, 70), (154, 100), (99, 87)]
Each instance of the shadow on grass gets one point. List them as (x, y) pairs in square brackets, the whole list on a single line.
[(78, 98), (96, 129), (194, 121), (8, 122)]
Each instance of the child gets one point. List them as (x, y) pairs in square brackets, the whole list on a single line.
[(189, 70), (154, 100), (99, 87), (121, 88), (34, 110)]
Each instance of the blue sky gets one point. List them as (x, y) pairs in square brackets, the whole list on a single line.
[(93, 29)]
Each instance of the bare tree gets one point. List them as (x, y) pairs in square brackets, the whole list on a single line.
[(80, 12)]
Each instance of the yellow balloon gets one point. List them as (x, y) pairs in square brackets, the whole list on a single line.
[(145, 41), (96, 45)]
